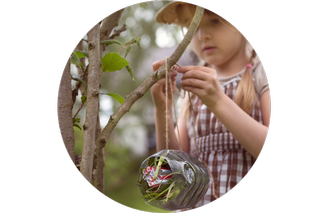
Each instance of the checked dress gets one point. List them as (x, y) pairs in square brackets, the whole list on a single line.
[(228, 161)]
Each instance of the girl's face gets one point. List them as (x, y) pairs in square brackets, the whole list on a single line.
[(216, 41)]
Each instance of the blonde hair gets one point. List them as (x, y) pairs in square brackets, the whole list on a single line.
[(245, 96)]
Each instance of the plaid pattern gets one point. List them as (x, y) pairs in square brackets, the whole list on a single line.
[(228, 161)]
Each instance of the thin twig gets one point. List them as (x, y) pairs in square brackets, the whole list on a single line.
[(78, 111), (118, 31)]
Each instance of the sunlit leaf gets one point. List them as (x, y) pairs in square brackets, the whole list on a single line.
[(112, 62)]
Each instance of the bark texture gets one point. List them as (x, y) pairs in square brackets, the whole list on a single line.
[(65, 105), (98, 173), (92, 104)]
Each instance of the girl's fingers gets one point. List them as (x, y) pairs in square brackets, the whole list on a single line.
[(156, 65), (194, 74), (173, 74), (193, 83), (160, 84), (173, 83), (195, 90), (185, 69)]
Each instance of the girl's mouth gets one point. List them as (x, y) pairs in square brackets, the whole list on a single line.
[(208, 49)]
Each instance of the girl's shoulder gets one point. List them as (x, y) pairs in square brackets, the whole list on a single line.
[(225, 81), (260, 79)]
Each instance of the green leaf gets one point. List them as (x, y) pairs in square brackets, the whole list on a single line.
[(138, 41), (83, 99), (76, 125), (82, 54), (74, 59), (108, 42), (150, 195), (77, 78), (170, 187), (127, 51), (115, 96), (76, 120), (130, 70), (112, 62)]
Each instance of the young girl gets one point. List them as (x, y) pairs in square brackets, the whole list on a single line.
[(230, 100)]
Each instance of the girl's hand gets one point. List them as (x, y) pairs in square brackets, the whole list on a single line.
[(203, 82), (158, 90)]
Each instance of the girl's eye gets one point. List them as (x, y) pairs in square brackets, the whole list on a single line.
[(215, 21)]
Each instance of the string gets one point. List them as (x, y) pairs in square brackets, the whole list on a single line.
[(194, 123), (167, 116), (168, 76)]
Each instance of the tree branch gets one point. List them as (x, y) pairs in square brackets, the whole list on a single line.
[(118, 31), (146, 85), (92, 104), (109, 23), (65, 105)]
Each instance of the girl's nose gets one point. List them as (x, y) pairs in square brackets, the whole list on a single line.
[(203, 34)]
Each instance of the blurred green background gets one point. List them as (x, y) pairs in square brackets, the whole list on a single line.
[(133, 139)]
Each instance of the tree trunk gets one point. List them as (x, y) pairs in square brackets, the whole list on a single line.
[(105, 30), (98, 173), (92, 104), (65, 105)]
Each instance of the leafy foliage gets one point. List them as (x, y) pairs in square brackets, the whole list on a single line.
[(112, 62)]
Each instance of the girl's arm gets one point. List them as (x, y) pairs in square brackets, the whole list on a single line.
[(250, 133), (265, 107), (203, 82)]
